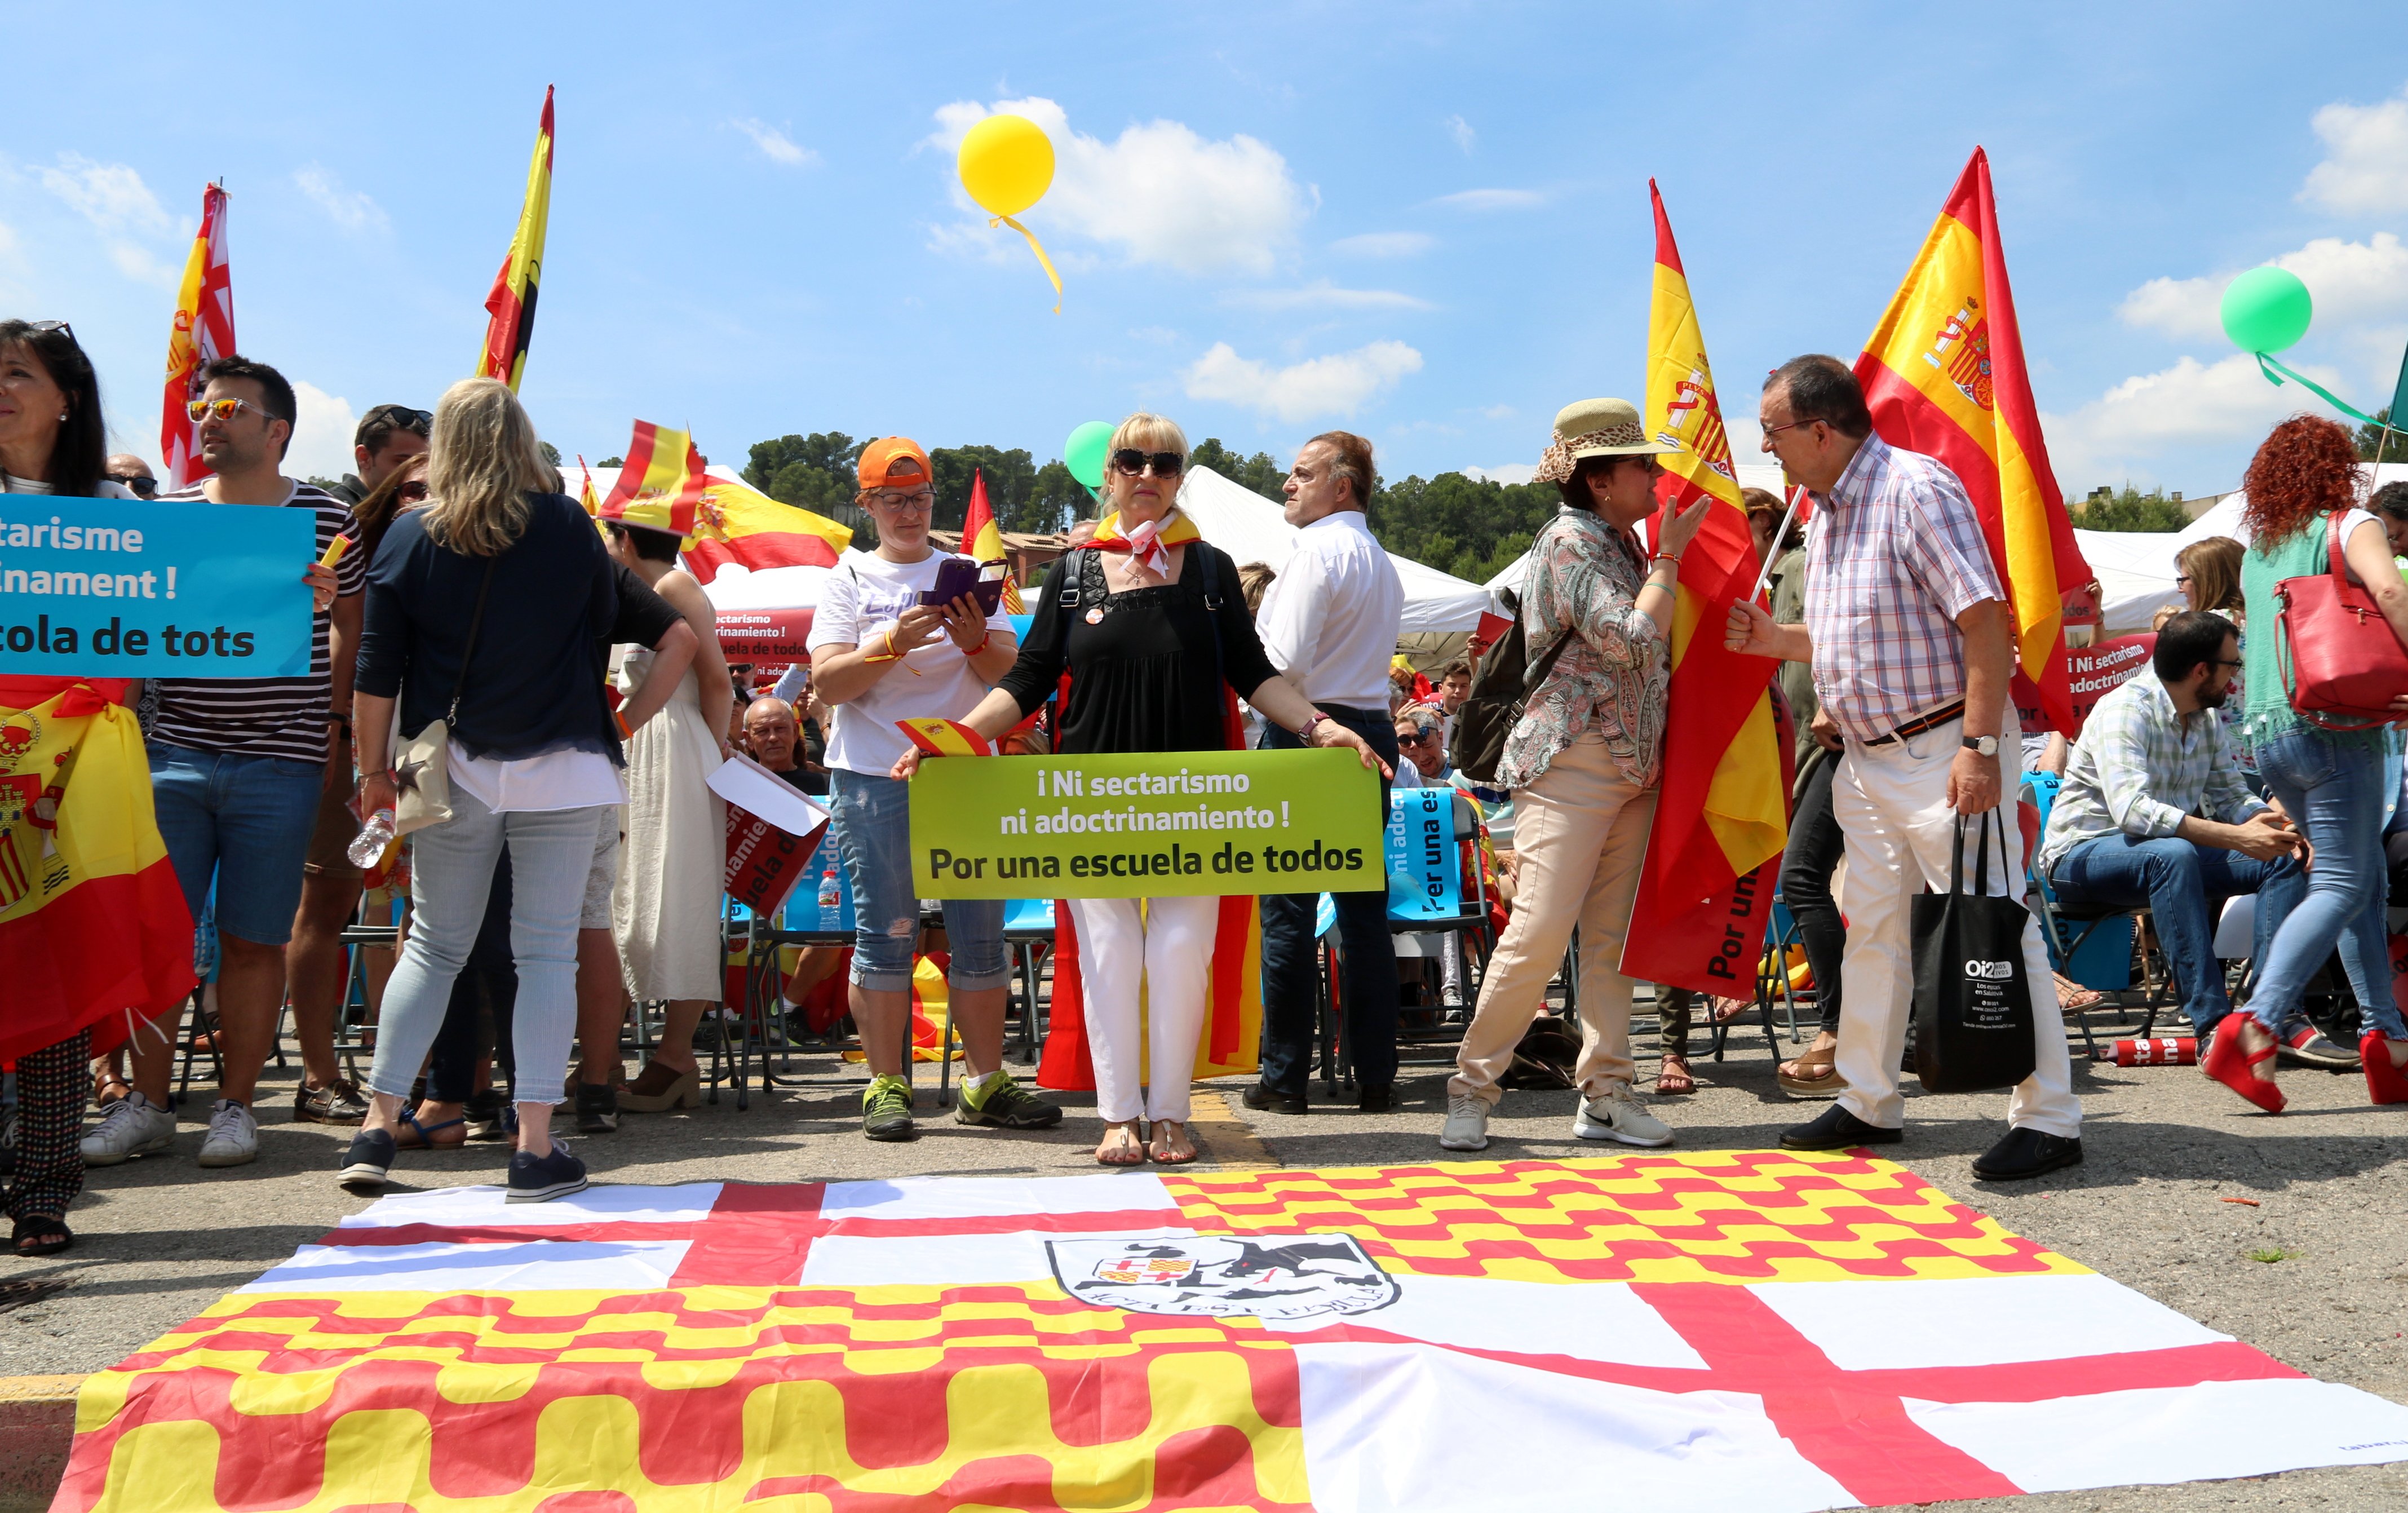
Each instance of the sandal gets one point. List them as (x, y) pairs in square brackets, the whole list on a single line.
[(1162, 1152), (1673, 1078), (1727, 1009), (1119, 1145), (2072, 995), (2231, 1060), (422, 1136), (41, 1234), (1812, 1074)]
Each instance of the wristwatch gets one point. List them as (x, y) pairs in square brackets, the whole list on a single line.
[(1982, 745)]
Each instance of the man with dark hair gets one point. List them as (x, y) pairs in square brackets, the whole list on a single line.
[(386, 437), (2154, 811), (1454, 687), (1907, 628), (238, 769), (1329, 621)]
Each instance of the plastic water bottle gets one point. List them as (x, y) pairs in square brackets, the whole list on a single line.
[(369, 845), (831, 899)]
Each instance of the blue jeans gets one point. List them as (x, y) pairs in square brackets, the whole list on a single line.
[(452, 880), (247, 820), (479, 1018), (873, 831), (2334, 792), (2185, 886)]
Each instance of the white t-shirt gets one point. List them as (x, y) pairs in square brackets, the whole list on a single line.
[(859, 601)]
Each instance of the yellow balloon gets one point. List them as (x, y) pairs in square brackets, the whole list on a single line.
[(1006, 164)]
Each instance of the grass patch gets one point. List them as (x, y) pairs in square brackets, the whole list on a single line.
[(2270, 1254)]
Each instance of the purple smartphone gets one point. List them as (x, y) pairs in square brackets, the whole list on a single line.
[(958, 576)]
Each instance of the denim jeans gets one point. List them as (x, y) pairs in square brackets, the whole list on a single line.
[(873, 831), (246, 821), (2334, 792), (2185, 886), (482, 998), (1815, 847), (1367, 994), (452, 873)]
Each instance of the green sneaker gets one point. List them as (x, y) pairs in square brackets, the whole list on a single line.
[(886, 1110), (998, 1101)]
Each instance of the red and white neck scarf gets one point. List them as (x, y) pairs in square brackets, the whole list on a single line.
[(1148, 542)]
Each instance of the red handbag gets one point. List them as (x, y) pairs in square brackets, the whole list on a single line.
[(2342, 666)]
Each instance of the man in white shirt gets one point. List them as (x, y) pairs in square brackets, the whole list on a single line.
[(1328, 622)]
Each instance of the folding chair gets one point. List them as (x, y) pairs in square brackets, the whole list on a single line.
[(2089, 943), (1781, 935), (797, 921), (1028, 937)]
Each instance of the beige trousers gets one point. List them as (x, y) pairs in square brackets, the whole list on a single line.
[(1580, 832)]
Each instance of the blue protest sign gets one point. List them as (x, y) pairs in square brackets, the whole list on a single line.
[(1423, 872), (120, 589)]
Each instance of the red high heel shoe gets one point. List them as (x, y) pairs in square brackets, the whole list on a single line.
[(2384, 1082), (2234, 1064)]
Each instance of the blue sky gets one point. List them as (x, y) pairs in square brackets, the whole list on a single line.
[(1428, 223)]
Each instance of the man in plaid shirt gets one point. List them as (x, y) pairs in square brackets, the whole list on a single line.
[(1907, 634), (2153, 811)]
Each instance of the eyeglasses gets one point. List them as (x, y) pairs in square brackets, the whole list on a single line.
[(918, 502), (1427, 732), (2182, 578), (413, 492), (2220, 662), (1771, 431), (1133, 463), (404, 417), (225, 410), (143, 484)]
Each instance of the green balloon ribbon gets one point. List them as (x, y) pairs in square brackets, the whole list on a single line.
[(2276, 372)]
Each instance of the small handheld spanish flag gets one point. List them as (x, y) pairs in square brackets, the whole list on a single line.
[(945, 738), (335, 550)]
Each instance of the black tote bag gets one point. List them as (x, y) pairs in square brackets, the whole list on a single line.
[(1973, 1024)]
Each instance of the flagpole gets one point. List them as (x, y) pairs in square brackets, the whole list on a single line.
[(1764, 570)]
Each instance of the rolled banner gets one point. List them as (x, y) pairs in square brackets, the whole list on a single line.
[(2165, 1050)]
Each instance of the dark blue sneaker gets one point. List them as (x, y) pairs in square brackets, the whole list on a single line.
[(536, 1179), (366, 1162)]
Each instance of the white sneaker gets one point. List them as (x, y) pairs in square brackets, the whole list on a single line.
[(133, 1126), (1466, 1124), (233, 1139), (1620, 1116)]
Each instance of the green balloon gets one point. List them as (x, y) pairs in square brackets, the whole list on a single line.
[(1084, 453), (2267, 310)]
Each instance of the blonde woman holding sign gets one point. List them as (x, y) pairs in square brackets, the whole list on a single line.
[(1131, 617)]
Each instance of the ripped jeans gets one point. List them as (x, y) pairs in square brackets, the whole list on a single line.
[(873, 830)]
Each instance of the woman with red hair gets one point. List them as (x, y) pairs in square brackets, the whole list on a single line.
[(2303, 488)]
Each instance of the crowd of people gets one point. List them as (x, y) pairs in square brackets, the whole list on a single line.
[(539, 706)]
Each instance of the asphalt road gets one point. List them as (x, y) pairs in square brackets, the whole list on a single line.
[(160, 1239)]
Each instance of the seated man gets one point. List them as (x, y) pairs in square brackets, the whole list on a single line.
[(2154, 811)]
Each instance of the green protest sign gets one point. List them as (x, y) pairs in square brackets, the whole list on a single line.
[(1158, 825)]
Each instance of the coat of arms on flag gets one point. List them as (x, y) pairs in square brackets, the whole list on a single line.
[(1736, 1330)]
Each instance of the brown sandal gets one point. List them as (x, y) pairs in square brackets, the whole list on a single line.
[(1673, 1078), (1810, 1075)]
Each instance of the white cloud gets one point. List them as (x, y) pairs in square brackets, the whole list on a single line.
[(776, 145), (1160, 335), (111, 196), (2365, 170), (1159, 193), (1511, 472), (321, 436), (2350, 281), (1492, 199), (1497, 412), (2136, 429), (1382, 244), (1338, 384), (1460, 129), (143, 265), (350, 208), (1322, 294)]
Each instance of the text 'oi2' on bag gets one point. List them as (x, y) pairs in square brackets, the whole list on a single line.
[(2341, 665), (1973, 1026)]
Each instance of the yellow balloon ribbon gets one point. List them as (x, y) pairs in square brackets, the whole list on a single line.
[(1036, 247)]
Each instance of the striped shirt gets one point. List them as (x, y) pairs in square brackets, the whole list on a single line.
[(267, 716), (1893, 556), (2140, 769)]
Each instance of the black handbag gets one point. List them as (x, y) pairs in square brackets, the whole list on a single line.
[(1973, 1026), (1501, 687)]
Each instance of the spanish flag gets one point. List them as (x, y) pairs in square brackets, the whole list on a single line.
[(661, 486), (203, 332), (982, 542), (511, 304), (736, 524), (94, 930), (1722, 810), (945, 738), (1945, 375)]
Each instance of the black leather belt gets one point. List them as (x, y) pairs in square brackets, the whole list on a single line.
[(1932, 721)]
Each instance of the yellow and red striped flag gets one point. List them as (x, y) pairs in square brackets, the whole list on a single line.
[(512, 303), (203, 332), (585, 495), (1723, 808), (982, 542), (736, 524), (1945, 375), (661, 486), (945, 738)]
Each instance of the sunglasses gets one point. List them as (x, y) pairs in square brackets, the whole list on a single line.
[(45, 328), (421, 420), (412, 493), (225, 410), (143, 484), (1133, 463)]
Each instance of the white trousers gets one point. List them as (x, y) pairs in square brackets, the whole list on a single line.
[(1892, 804), (1169, 948)]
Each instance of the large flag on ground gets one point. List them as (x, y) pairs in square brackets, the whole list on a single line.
[(1723, 807), (1944, 374), (512, 303), (1734, 1330), (203, 332), (982, 541), (94, 930), (660, 486)]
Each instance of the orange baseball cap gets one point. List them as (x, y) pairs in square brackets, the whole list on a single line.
[(895, 462)]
